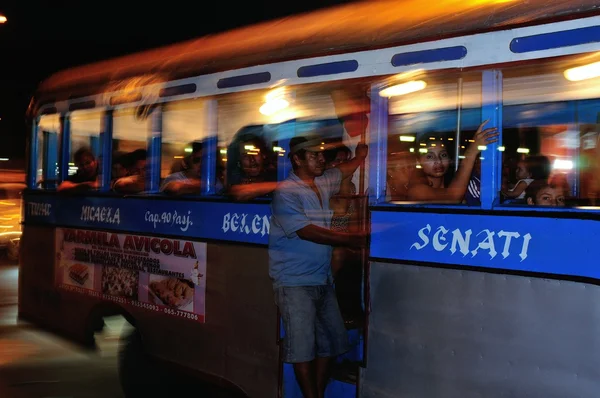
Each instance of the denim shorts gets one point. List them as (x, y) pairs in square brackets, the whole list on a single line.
[(312, 323)]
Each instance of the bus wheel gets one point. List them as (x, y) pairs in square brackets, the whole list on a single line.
[(137, 374)]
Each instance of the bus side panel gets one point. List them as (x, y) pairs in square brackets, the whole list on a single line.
[(238, 342), (39, 300), (454, 333)]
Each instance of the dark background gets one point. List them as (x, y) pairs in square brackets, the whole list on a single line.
[(43, 37)]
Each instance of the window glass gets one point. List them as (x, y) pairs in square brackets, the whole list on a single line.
[(185, 129), (129, 145), (85, 136), (550, 134), (246, 142), (432, 152), (47, 151)]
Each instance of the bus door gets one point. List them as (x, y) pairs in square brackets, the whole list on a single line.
[(349, 265)]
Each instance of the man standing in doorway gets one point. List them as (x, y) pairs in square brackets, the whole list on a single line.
[(300, 249)]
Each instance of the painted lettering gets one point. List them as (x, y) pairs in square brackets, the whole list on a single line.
[(484, 240)]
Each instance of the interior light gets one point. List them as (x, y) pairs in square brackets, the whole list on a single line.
[(3, 159), (423, 150), (273, 106), (177, 157), (407, 138), (561, 164), (523, 150), (482, 147), (412, 149), (3, 19), (404, 88), (223, 151), (419, 166), (249, 147), (501, 148), (583, 72), (188, 150)]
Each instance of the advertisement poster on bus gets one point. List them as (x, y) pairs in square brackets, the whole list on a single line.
[(159, 274)]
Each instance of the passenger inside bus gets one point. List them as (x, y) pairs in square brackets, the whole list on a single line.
[(401, 167), (254, 173), (86, 177), (342, 204), (345, 262), (430, 184), (135, 180), (119, 166), (544, 193), (529, 169), (187, 181)]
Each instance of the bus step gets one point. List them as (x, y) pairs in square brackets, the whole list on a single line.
[(345, 371)]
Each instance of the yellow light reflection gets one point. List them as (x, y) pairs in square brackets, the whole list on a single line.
[(403, 88), (3, 19), (584, 72)]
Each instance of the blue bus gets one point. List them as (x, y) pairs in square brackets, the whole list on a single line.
[(488, 291)]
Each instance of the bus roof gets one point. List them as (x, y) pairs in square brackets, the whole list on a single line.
[(350, 27)]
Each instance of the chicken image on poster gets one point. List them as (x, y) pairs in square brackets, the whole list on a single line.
[(79, 275), (166, 275), (172, 292), (120, 282)]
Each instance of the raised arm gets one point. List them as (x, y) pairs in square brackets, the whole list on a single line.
[(348, 168), (455, 191)]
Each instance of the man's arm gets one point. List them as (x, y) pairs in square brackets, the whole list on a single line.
[(179, 187), (348, 168), (68, 186), (326, 236)]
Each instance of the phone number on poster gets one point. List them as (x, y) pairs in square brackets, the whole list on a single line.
[(182, 314)]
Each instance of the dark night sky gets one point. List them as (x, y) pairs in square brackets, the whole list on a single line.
[(42, 37)]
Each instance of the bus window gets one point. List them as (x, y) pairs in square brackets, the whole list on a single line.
[(550, 134), (184, 128), (244, 136), (431, 126), (85, 135), (48, 146), (129, 145)]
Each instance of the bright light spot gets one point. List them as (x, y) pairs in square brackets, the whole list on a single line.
[(188, 150), (461, 157), (561, 164), (412, 149), (249, 147), (501, 148), (422, 144), (418, 166), (3, 19), (423, 150), (177, 157), (223, 151), (404, 88), (407, 138), (3, 159), (523, 150), (274, 106), (583, 72), (450, 139), (482, 147), (278, 149)]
